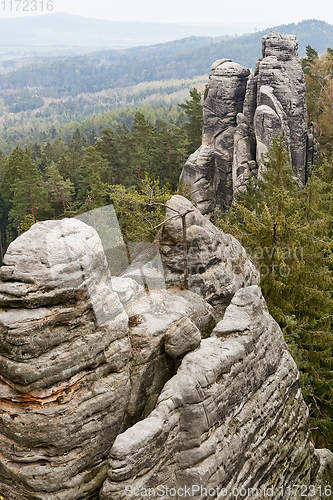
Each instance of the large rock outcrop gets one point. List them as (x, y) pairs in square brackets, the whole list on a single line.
[(232, 419), (107, 386), (82, 357), (218, 265), (243, 112), (64, 363)]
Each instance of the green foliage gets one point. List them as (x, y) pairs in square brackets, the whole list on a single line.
[(28, 192), (60, 117), (319, 83), (310, 59), (60, 190), (288, 232), (193, 111), (54, 179), (25, 224), (136, 218), (91, 177)]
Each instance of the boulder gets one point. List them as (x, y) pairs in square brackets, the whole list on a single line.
[(64, 363), (218, 265), (233, 417), (82, 357)]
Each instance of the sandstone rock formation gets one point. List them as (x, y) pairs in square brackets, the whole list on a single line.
[(218, 265), (232, 417), (106, 386), (243, 112), (64, 363), (81, 356)]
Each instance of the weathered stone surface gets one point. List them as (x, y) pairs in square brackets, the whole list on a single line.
[(106, 384), (200, 174), (243, 165), (209, 170), (64, 354), (281, 70), (324, 476), (218, 265), (156, 321), (146, 267), (232, 417), (82, 356), (243, 112), (181, 338)]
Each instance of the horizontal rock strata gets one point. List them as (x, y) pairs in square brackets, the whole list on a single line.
[(82, 357), (107, 385), (232, 417), (64, 353), (218, 265)]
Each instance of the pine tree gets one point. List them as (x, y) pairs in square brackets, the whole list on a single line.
[(143, 137), (116, 147), (193, 110), (29, 196), (91, 186), (285, 230), (60, 190), (136, 218)]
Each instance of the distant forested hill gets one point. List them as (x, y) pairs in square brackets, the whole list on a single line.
[(179, 59), (38, 97), (63, 29)]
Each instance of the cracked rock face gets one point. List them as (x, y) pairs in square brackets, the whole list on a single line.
[(232, 417), (243, 112), (209, 170), (64, 353), (218, 265), (82, 356)]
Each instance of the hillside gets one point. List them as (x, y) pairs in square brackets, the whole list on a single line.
[(178, 59), (62, 29), (38, 96)]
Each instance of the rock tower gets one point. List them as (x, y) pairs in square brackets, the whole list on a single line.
[(243, 111)]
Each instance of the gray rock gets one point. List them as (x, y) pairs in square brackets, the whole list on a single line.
[(64, 363), (164, 324), (232, 417), (181, 338), (106, 385), (209, 171), (324, 476), (243, 153), (243, 112), (218, 265), (82, 356), (281, 69)]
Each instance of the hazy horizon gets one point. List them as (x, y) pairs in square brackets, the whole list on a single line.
[(187, 12)]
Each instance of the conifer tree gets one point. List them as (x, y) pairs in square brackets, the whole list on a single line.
[(29, 196), (116, 147), (285, 230), (60, 190), (143, 136), (193, 110), (91, 186), (136, 218)]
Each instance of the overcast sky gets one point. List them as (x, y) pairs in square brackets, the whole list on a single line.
[(257, 12)]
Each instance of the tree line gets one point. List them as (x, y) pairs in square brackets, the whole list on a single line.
[(287, 230), (55, 180)]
